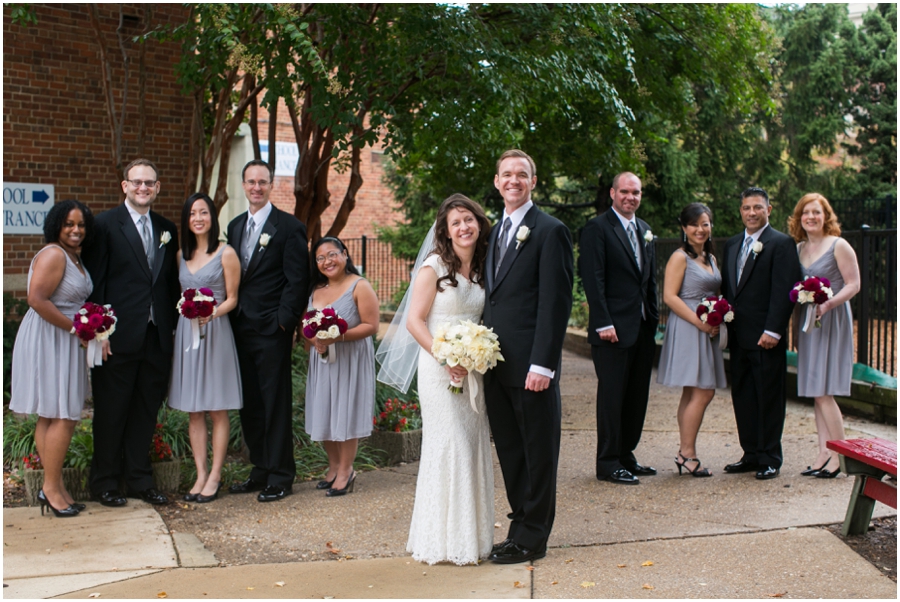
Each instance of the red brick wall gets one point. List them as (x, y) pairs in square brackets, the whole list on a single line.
[(55, 122)]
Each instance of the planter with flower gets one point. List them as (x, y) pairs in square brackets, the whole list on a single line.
[(398, 431), (166, 467)]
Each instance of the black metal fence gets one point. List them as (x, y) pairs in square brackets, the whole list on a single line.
[(874, 308), (387, 274), (877, 213)]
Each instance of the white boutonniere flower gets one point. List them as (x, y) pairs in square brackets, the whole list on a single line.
[(648, 236), (164, 238), (522, 235), (264, 240), (757, 248)]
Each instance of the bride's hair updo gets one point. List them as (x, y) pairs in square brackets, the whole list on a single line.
[(443, 246)]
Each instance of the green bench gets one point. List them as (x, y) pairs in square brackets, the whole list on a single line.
[(869, 460)]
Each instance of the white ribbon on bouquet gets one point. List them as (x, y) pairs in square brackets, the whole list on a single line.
[(473, 388), (94, 353), (810, 319)]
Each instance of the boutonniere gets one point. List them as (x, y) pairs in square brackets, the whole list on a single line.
[(264, 240), (522, 235), (648, 236), (164, 238), (757, 248)]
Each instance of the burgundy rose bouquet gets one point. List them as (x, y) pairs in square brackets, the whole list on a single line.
[(324, 324), (812, 291), (93, 324), (193, 305), (716, 311)]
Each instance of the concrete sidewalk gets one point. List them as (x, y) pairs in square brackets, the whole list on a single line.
[(728, 536)]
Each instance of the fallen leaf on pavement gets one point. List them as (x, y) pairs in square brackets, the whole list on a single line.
[(250, 588), (647, 563), (162, 595), (569, 560), (94, 595), (518, 584), (327, 544), (496, 525), (588, 584), (529, 568), (554, 582), (647, 586), (335, 550), (781, 595), (621, 566), (279, 584)]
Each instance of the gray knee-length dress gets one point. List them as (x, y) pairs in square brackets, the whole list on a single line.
[(49, 365), (207, 378), (825, 354), (340, 396), (689, 358)]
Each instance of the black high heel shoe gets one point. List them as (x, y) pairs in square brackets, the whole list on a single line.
[(65, 512), (190, 497), (824, 473), (812, 472), (348, 488), (204, 499), (697, 472), (326, 484)]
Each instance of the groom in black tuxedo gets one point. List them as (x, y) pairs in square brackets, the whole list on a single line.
[(132, 263), (618, 269), (527, 302), (275, 275), (760, 268)]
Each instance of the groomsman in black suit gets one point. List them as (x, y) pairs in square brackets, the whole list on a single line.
[(617, 265), (527, 302), (272, 297), (760, 268), (132, 263)]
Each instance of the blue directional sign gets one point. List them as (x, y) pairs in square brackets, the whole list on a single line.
[(25, 206)]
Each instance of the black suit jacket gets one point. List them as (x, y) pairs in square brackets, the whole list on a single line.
[(118, 266), (760, 299), (614, 285), (274, 287), (529, 301)]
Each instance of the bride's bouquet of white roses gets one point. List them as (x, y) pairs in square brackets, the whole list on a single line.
[(467, 344)]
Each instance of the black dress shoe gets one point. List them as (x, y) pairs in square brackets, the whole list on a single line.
[(273, 493), (622, 476), (742, 466), (247, 486), (766, 472), (151, 496), (641, 470), (500, 547), (514, 553), (110, 498)]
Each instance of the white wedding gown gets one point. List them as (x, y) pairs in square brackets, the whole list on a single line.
[(453, 516)]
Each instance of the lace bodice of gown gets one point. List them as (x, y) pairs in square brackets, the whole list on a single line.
[(454, 303)]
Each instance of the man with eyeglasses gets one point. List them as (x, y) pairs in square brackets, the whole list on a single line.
[(132, 263), (272, 246)]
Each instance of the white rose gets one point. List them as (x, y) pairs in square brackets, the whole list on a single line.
[(264, 240), (757, 248), (164, 238), (729, 316), (648, 236), (522, 235)]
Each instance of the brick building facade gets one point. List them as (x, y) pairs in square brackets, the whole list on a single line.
[(56, 128)]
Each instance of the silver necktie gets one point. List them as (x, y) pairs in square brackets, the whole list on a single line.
[(502, 244), (146, 239), (742, 258), (248, 243), (632, 236)]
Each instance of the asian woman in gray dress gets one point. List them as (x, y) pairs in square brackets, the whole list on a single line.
[(206, 379), (825, 354), (690, 358)]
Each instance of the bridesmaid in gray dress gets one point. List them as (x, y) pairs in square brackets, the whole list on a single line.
[(690, 358), (206, 379), (340, 395), (49, 362), (825, 354)]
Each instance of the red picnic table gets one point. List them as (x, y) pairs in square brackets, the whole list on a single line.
[(869, 460)]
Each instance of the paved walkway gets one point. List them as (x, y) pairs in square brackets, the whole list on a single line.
[(729, 536)]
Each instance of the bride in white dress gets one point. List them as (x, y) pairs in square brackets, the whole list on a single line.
[(453, 515)]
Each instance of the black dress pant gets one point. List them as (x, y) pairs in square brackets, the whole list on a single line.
[(623, 387), (128, 392), (265, 363), (526, 430), (758, 396)]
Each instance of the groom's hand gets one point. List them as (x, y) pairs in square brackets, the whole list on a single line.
[(536, 382)]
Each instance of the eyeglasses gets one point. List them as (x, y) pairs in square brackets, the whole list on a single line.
[(138, 183), (331, 255), (254, 183)]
